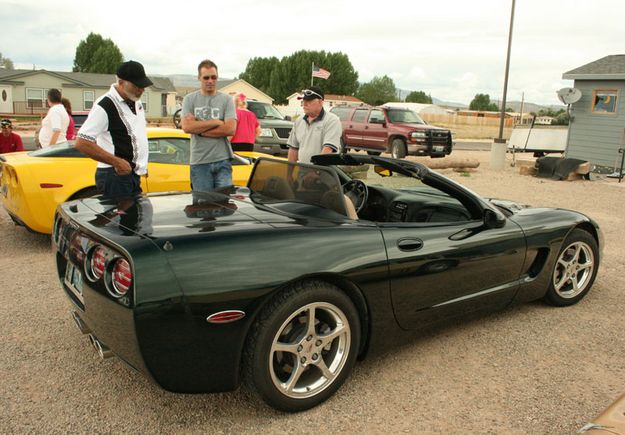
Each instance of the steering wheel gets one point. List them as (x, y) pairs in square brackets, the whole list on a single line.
[(357, 192)]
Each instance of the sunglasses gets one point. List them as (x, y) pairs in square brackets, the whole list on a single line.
[(309, 93), (214, 77)]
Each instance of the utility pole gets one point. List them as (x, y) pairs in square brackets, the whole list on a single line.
[(498, 149)]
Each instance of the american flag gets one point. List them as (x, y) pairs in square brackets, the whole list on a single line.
[(320, 72)]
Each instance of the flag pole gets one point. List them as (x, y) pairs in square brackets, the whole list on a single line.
[(311, 73)]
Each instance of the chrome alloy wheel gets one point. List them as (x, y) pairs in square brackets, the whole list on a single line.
[(309, 350), (573, 270)]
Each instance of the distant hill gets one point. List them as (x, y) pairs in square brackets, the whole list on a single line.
[(531, 107)]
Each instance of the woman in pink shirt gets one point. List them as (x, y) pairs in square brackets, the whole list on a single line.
[(71, 129), (248, 128)]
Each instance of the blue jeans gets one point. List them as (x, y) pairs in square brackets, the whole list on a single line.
[(209, 176), (111, 185)]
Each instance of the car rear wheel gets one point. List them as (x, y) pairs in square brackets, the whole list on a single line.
[(398, 149), (85, 193), (575, 269), (302, 347)]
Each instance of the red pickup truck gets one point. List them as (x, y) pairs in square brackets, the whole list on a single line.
[(398, 131)]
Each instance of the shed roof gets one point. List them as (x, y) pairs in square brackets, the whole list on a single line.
[(607, 68)]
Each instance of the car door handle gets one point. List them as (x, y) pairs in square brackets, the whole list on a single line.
[(366, 127), (409, 244)]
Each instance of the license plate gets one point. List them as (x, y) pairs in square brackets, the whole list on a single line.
[(73, 278), (438, 148)]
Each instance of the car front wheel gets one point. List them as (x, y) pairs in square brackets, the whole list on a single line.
[(302, 347), (575, 269)]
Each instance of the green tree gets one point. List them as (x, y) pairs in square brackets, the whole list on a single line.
[(419, 97), (482, 102), (5, 62), (281, 78), (378, 91), (259, 70), (97, 55)]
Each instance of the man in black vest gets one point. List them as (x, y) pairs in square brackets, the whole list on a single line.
[(115, 135)]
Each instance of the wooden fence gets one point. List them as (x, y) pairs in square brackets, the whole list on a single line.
[(477, 121)]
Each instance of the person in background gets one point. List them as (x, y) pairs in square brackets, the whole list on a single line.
[(71, 129), (9, 142), (209, 117), (317, 132), (54, 125), (248, 128)]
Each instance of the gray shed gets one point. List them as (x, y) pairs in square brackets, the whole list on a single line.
[(597, 129)]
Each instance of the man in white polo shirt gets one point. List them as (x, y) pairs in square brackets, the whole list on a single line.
[(115, 135), (317, 131)]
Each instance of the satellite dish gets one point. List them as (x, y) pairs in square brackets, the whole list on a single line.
[(569, 95)]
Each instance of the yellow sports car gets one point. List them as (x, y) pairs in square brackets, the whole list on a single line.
[(33, 184)]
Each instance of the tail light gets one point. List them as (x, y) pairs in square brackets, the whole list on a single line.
[(121, 277), (96, 263)]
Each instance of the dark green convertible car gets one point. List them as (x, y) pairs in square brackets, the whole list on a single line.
[(284, 283)]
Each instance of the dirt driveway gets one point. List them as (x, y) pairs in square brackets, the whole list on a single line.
[(528, 369)]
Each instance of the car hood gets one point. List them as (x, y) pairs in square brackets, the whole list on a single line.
[(511, 206), (174, 214), (418, 126), (275, 123)]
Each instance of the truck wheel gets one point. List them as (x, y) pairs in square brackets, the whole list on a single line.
[(398, 149), (343, 146), (177, 118)]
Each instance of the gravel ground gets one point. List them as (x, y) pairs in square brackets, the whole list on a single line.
[(528, 369)]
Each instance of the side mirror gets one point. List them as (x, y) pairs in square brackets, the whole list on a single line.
[(288, 118), (493, 219), (382, 171)]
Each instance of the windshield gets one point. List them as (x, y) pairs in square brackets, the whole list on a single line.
[(305, 189), (63, 149), (404, 116), (264, 110)]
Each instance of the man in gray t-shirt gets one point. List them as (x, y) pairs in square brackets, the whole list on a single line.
[(209, 116)]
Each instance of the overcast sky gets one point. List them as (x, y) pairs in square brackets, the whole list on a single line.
[(450, 49)]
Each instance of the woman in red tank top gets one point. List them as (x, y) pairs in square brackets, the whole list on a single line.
[(248, 128)]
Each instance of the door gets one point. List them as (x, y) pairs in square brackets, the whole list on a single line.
[(168, 165), (6, 99), (375, 131), (354, 128)]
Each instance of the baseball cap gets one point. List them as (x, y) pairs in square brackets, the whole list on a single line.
[(6, 123), (311, 93), (134, 73)]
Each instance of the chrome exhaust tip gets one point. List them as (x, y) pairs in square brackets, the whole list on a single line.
[(82, 327), (102, 349)]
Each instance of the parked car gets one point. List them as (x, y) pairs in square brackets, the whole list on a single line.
[(610, 421), (395, 130), (275, 285), (34, 183), (275, 128)]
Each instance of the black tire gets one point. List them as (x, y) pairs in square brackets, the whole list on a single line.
[(332, 344), (85, 193), (177, 117), (343, 146), (575, 269), (374, 153), (398, 149)]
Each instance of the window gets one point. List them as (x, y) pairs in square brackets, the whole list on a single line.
[(144, 101), (341, 112), (169, 150), (376, 117), (36, 98), (360, 115), (88, 97), (604, 100)]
